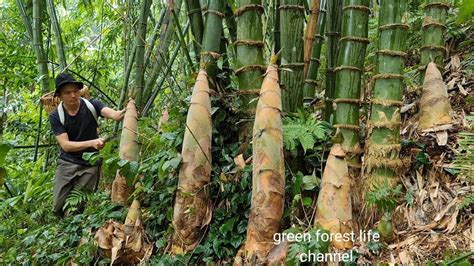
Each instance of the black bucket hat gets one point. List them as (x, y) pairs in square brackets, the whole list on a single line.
[(65, 78)]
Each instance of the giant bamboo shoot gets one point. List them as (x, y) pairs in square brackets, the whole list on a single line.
[(192, 208), (128, 150), (268, 183)]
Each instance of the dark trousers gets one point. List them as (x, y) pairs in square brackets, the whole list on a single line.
[(71, 176)]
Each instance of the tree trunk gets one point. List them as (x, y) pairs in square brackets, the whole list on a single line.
[(433, 27), (383, 144), (138, 86), (268, 182), (192, 209), (249, 59), (310, 84), (333, 28), (291, 27), (57, 34), (211, 41), (38, 47)]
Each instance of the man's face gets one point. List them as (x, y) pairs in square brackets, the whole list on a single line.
[(69, 94)]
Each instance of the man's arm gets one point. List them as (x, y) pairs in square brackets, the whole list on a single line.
[(112, 114), (73, 146)]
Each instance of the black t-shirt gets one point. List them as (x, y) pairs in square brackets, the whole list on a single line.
[(80, 127)]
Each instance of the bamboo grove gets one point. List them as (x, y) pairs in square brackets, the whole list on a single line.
[(276, 58)]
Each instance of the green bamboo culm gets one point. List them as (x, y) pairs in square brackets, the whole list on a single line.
[(433, 28), (211, 42), (350, 65), (38, 47), (310, 84), (25, 18), (197, 25), (249, 43), (276, 31), (138, 85), (333, 33), (57, 34), (154, 36), (167, 35), (383, 144), (292, 64)]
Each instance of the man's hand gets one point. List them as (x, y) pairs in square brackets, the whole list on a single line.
[(120, 114), (98, 144), (112, 114)]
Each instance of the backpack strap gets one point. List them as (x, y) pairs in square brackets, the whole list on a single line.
[(88, 105), (92, 109)]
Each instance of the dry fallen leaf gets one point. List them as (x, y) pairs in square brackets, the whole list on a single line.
[(239, 161), (123, 244), (405, 258), (442, 137)]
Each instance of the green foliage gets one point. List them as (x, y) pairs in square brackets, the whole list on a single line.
[(465, 11), (385, 197), (314, 245), (303, 131), (467, 201)]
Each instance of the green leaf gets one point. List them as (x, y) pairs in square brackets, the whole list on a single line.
[(4, 149), (465, 11), (307, 201), (310, 182), (220, 62), (3, 174), (227, 226), (91, 157), (175, 162)]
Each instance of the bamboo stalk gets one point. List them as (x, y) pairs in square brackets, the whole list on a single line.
[(334, 209), (352, 48), (138, 86), (160, 83), (291, 27), (249, 43), (25, 18), (127, 73), (383, 144), (166, 37), (154, 36), (38, 47), (309, 34), (180, 36), (310, 84), (277, 32), (197, 25), (57, 34), (212, 37), (333, 33), (433, 28)]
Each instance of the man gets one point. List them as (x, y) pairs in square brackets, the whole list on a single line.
[(76, 129)]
